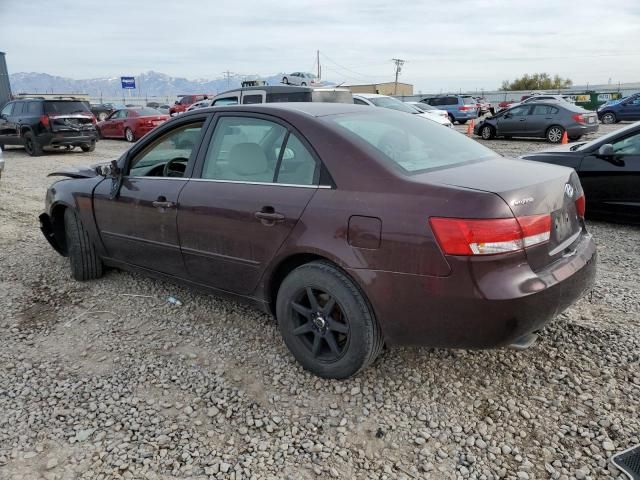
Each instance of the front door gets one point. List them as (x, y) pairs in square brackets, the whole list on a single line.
[(256, 180), (139, 225), (614, 186), (513, 122), (8, 124), (630, 110)]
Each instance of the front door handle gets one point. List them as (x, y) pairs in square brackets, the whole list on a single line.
[(162, 203)]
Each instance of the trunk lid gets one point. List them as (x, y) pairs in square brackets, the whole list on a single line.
[(528, 188), (71, 122)]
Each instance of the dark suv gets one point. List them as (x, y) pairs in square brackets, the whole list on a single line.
[(36, 123)]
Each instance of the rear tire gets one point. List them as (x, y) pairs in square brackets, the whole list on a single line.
[(83, 259), (609, 118), (31, 145), (128, 134), (88, 147), (554, 134), (285, 80), (326, 322)]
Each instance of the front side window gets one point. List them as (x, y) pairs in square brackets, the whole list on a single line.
[(357, 101), (519, 111), (244, 149), (392, 103), (168, 155), (8, 108), (408, 142), (628, 146)]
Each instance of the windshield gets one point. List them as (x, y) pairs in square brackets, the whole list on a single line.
[(423, 106), (392, 103), (609, 136), (65, 107), (409, 142)]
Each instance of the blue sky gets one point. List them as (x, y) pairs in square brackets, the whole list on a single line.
[(449, 45)]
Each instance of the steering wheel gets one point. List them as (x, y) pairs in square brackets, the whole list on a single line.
[(167, 171)]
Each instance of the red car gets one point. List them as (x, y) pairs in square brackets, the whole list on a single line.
[(186, 101), (131, 123)]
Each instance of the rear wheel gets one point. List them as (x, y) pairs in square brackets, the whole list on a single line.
[(487, 132), (609, 118), (326, 322), (285, 80), (83, 258), (128, 134), (554, 134), (88, 147), (31, 145)]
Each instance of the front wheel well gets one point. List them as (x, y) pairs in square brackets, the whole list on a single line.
[(285, 268), (57, 222)]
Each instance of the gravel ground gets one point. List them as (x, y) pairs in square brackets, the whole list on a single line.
[(105, 380)]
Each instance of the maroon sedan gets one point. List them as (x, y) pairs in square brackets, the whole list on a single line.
[(354, 227), (131, 123)]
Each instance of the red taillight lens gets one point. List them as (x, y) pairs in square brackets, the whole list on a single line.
[(44, 120), (581, 205), (458, 236), (464, 108), (578, 117)]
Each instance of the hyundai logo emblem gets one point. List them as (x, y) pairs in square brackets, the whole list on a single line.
[(568, 190)]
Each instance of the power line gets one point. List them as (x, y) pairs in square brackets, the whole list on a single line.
[(342, 67)]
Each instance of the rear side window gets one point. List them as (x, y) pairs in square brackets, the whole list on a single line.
[(33, 108), (251, 99), (469, 100), (408, 142), (357, 101), (289, 97), (450, 101), (297, 165), (226, 101), (65, 108), (544, 110)]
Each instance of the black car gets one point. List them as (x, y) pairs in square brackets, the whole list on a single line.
[(609, 169), (102, 110), (548, 120), (36, 123)]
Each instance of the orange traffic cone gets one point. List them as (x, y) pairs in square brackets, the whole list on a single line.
[(565, 138), (470, 128)]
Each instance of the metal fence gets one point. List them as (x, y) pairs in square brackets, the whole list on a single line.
[(138, 101)]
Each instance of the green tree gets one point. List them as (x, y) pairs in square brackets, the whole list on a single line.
[(537, 81)]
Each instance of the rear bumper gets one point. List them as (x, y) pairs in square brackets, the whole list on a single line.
[(67, 138), (464, 115), (582, 129), (480, 305)]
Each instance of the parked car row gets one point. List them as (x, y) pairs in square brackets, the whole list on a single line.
[(130, 123)]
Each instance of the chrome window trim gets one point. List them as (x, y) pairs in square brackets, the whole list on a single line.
[(157, 178), (259, 183)]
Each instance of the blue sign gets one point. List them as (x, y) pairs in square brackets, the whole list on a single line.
[(128, 82)]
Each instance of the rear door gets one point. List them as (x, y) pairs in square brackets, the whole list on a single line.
[(540, 117), (614, 186), (138, 227), (255, 181), (514, 121), (630, 110)]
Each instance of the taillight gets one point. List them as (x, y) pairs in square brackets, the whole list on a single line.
[(94, 120), (44, 120), (581, 205), (459, 236), (464, 108), (578, 117)]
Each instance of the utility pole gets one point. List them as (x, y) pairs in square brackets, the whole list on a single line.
[(228, 75), (318, 62), (399, 63)]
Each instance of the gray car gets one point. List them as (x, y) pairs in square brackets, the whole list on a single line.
[(548, 120)]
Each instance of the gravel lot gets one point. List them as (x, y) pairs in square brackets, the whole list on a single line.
[(105, 380)]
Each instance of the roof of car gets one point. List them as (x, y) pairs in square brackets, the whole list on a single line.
[(369, 95), (314, 109)]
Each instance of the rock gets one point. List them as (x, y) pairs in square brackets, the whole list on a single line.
[(52, 463), (608, 446)]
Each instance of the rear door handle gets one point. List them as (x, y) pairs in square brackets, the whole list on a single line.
[(272, 217), (162, 203)]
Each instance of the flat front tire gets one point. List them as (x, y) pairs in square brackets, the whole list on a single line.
[(326, 322), (83, 257)]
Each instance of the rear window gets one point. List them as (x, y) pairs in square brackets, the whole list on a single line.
[(408, 142), (146, 112), (289, 97), (469, 100), (65, 107), (332, 96)]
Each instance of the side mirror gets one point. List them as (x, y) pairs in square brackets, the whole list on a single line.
[(606, 151), (110, 170), (508, 115)]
